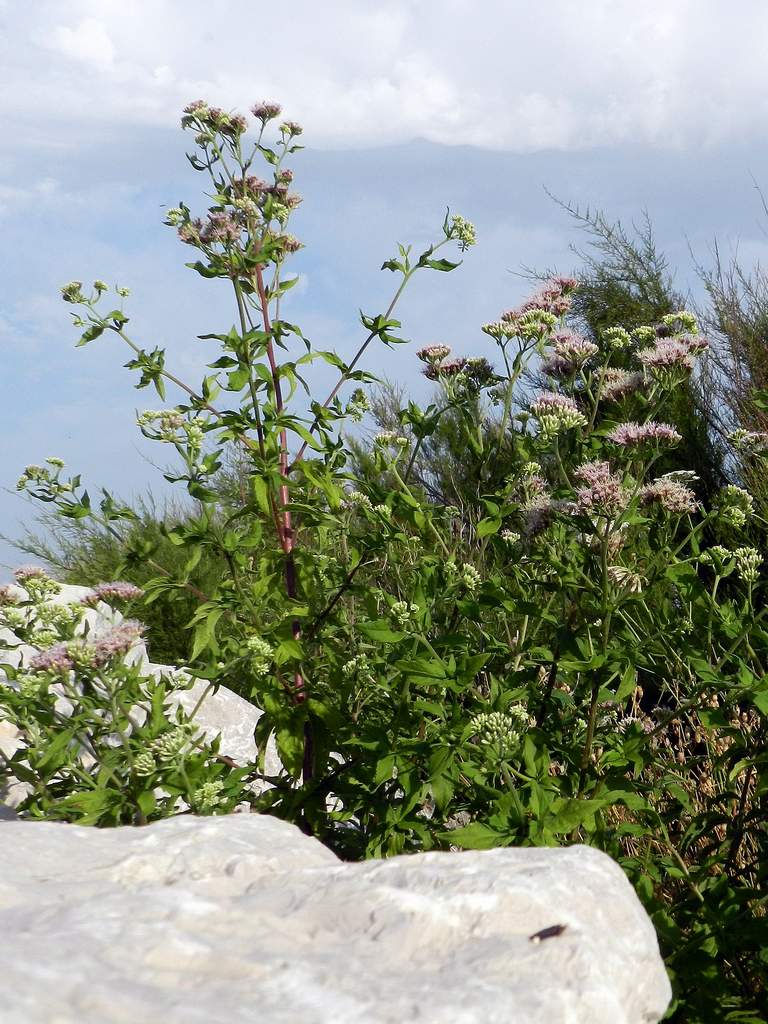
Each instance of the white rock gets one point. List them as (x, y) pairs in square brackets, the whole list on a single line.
[(226, 714), (243, 918)]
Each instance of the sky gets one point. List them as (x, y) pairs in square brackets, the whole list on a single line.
[(408, 107)]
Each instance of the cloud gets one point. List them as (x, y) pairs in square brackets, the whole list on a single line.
[(502, 75), (88, 42)]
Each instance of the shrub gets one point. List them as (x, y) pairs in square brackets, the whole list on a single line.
[(578, 653)]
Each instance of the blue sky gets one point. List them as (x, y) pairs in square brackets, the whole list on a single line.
[(408, 107)]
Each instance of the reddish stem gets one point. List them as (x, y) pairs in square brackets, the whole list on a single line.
[(286, 534)]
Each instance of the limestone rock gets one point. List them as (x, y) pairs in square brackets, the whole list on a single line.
[(243, 918)]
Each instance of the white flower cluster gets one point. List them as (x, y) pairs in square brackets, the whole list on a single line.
[(42, 476), (463, 231), (466, 574), (501, 732), (735, 505), (37, 583), (356, 499), (752, 442), (681, 322), (403, 612), (388, 439), (144, 764), (617, 338), (747, 563), (208, 796), (509, 536), (745, 560), (719, 557), (262, 654), (556, 413), (358, 666), (535, 324), (168, 424), (358, 405)]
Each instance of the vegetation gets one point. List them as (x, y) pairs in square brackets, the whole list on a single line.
[(564, 642)]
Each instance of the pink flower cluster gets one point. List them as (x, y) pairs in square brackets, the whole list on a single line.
[(554, 297), (673, 353), (266, 110), (220, 227), (115, 591), (62, 658), (55, 659), (8, 595), (215, 118), (552, 402), (448, 368), (617, 384), (434, 353), (603, 493), (250, 186), (117, 641), (569, 352), (29, 572), (630, 435), (670, 495)]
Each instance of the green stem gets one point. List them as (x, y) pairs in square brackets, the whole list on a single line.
[(359, 355), (427, 517)]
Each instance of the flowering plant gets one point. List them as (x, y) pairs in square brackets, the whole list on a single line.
[(576, 653), (99, 741)]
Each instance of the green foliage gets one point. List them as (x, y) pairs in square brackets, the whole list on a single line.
[(101, 744), (86, 551), (571, 649)]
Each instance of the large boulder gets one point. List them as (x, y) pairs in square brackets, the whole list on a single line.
[(244, 918)]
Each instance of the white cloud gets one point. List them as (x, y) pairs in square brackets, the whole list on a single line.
[(500, 74), (88, 42)]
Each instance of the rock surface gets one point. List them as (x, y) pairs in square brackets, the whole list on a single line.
[(243, 918)]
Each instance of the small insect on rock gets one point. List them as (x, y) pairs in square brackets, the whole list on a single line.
[(547, 933)]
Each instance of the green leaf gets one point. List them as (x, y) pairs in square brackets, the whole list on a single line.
[(289, 738), (260, 491), (384, 769), (568, 814), (147, 802), (439, 264), (422, 668), (488, 526), (205, 632), (381, 631), (95, 331), (475, 836), (237, 380)]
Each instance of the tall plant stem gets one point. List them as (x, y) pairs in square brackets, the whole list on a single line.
[(286, 525), (597, 681), (251, 382)]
